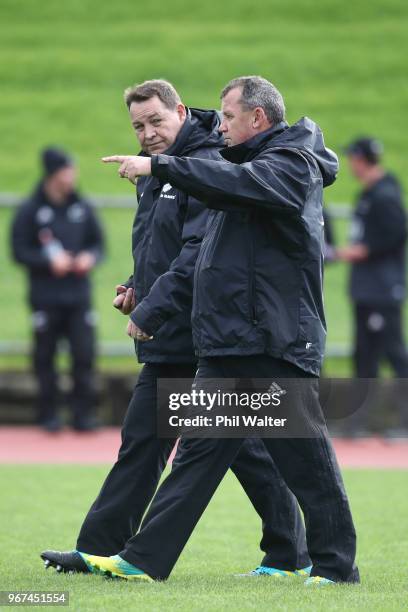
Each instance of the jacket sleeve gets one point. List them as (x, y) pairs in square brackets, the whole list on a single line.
[(95, 240), (386, 230), (172, 292), (24, 244), (276, 180)]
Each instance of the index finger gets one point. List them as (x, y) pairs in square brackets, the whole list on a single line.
[(118, 159)]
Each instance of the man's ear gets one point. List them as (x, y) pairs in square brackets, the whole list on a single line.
[(181, 111), (259, 118)]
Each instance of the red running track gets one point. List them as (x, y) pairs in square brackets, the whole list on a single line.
[(29, 445)]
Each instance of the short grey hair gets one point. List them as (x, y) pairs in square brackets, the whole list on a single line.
[(258, 92)]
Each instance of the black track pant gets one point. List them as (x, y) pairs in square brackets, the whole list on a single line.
[(308, 466), (74, 323), (379, 336), (116, 514)]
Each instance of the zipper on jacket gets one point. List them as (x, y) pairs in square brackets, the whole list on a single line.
[(207, 247), (251, 280), (197, 269), (146, 242), (211, 238)]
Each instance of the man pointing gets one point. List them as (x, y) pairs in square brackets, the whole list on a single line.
[(257, 312), (167, 234)]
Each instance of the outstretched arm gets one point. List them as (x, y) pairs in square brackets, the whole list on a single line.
[(278, 180)]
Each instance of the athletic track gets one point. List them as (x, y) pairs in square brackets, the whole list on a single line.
[(29, 445)]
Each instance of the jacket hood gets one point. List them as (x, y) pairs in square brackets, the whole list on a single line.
[(200, 130), (205, 132), (307, 136)]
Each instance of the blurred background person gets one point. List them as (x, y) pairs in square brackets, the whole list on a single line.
[(377, 253), (56, 235)]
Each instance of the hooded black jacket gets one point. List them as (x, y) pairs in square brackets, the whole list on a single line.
[(75, 225), (258, 278), (167, 234)]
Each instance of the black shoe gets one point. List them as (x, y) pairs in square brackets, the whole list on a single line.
[(70, 561)]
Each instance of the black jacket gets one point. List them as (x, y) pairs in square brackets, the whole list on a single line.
[(167, 234), (75, 226), (379, 222), (258, 279)]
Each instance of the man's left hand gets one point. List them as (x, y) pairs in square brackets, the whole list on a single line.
[(131, 166), (134, 332)]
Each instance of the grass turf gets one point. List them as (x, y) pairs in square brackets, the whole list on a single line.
[(42, 507), (64, 67)]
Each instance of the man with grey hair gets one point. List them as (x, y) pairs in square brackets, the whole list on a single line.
[(257, 312), (258, 92)]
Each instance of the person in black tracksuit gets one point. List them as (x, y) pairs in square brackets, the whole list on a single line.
[(167, 234), (377, 283), (56, 235), (257, 312)]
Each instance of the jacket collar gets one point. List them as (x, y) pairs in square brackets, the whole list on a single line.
[(241, 152), (182, 137)]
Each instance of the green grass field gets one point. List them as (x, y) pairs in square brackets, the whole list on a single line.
[(42, 507), (64, 67)]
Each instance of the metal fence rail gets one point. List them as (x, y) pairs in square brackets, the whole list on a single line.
[(10, 200), (337, 210), (105, 349)]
